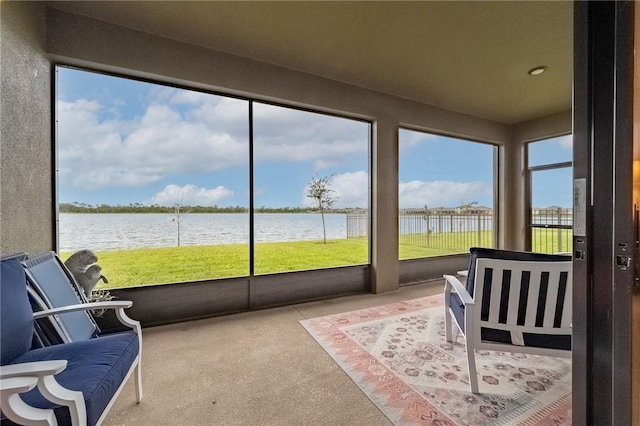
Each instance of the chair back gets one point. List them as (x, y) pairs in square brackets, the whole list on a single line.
[(490, 253), (16, 316), (55, 287), (523, 303)]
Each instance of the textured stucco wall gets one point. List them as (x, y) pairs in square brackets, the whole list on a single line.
[(26, 213)]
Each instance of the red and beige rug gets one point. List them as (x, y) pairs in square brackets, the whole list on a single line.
[(398, 356)]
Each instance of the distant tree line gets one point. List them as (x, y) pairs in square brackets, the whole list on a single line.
[(76, 207)]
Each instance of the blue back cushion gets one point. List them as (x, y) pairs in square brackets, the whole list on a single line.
[(488, 253), (52, 282), (16, 316)]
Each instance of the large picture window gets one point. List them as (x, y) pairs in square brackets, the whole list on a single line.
[(171, 185), (446, 195)]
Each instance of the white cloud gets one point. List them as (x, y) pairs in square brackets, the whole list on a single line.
[(188, 97), (412, 138), (289, 135), (351, 190), (190, 195), (416, 194), (566, 141), (98, 152), (190, 132)]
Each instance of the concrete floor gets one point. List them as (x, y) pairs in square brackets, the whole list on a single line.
[(253, 368)]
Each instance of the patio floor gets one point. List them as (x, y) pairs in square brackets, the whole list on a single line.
[(253, 368)]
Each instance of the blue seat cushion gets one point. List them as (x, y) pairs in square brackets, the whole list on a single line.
[(95, 367), (16, 316)]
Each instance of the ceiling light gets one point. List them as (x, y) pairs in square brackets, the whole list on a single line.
[(537, 70)]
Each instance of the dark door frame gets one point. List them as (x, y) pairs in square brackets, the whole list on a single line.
[(603, 244)]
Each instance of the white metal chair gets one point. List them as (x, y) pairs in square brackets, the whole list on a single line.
[(77, 380), (511, 305)]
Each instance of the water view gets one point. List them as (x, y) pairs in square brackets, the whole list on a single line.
[(117, 231)]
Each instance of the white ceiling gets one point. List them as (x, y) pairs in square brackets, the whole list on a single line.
[(470, 57)]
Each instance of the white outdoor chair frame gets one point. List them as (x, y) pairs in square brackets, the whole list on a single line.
[(557, 318)]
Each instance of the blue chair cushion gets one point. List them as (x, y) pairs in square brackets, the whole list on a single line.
[(16, 316), (96, 367)]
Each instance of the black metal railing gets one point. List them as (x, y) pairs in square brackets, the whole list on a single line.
[(455, 230), (552, 230)]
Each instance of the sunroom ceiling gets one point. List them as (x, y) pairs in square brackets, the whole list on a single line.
[(470, 57)]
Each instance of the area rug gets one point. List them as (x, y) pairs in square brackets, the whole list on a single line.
[(398, 356)]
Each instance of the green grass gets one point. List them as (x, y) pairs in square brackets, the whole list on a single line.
[(438, 244), (148, 266), (139, 267), (546, 240)]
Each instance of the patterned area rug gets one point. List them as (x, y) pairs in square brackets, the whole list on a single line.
[(398, 356)]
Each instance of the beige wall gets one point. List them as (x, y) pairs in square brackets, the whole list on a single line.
[(26, 203), (75, 40)]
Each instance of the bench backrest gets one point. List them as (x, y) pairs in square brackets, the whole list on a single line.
[(55, 286), (522, 303)]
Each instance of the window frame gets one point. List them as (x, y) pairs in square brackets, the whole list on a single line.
[(496, 157), (529, 171), (251, 207)]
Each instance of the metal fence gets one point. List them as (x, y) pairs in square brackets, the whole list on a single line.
[(357, 225), (450, 230), (455, 230), (552, 230)]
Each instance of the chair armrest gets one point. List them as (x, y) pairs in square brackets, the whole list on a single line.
[(19, 378), (452, 282), (16, 409), (118, 305), (82, 307), (18, 384), (35, 369)]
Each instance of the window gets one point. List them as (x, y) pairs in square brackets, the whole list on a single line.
[(446, 195), (549, 181), (160, 182), (292, 148)]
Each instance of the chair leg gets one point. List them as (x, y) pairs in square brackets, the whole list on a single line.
[(138, 382), (473, 374), (447, 313), (448, 333)]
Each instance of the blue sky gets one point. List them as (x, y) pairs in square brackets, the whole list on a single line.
[(122, 141)]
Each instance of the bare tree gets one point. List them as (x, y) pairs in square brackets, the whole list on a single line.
[(178, 213), (319, 190)]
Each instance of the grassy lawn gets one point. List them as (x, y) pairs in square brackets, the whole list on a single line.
[(139, 267), (552, 240), (148, 266), (438, 244)]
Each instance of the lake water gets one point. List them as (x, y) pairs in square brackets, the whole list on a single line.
[(115, 231)]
